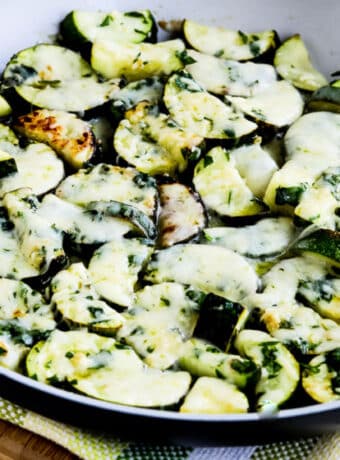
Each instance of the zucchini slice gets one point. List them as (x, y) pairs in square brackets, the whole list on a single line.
[(221, 187), (220, 321), (208, 268), (181, 216), (68, 135), (8, 165), (41, 244), (105, 182), (78, 302), (323, 244), (40, 179), (13, 264), (148, 89), (293, 63), (162, 318), (8, 140), (320, 378), (214, 396), (255, 166), (280, 372), (279, 104), (154, 143), (219, 76), (200, 112), (105, 369), (83, 225), (56, 78), (114, 269), (325, 99), (136, 61), (319, 204), (5, 108), (203, 359), (263, 240), (228, 44), (83, 27)]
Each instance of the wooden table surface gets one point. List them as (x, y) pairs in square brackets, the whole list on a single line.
[(19, 444)]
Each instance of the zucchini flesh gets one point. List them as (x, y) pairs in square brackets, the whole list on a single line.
[(136, 61), (293, 63), (5, 108), (78, 302), (162, 318), (80, 27), (71, 137), (280, 104), (219, 76), (214, 396), (114, 269), (8, 165), (280, 372), (320, 202), (56, 78), (201, 358), (181, 215), (153, 143), (221, 187), (228, 44), (205, 268), (105, 182), (202, 113)]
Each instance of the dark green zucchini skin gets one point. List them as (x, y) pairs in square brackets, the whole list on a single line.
[(326, 99), (323, 243)]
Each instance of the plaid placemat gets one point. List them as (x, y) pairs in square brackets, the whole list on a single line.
[(92, 446)]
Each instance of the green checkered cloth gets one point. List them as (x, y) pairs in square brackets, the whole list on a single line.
[(89, 445)]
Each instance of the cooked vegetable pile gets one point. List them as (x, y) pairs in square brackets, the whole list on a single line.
[(170, 217)]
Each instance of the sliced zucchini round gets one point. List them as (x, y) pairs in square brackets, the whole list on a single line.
[(12, 353), (105, 182), (68, 135), (201, 358), (114, 269), (78, 302), (293, 63), (202, 113), (279, 104), (56, 78), (5, 108), (280, 372), (228, 44), (154, 143), (80, 27), (181, 216), (136, 61), (219, 76), (208, 268), (321, 377), (221, 187), (265, 239), (214, 396), (323, 244), (325, 99)]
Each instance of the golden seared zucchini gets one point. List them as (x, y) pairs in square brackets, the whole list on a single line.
[(228, 44), (214, 396), (84, 27), (292, 62), (76, 299), (182, 215), (197, 111), (114, 269), (221, 186), (112, 59), (56, 78), (105, 369), (68, 135), (207, 268), (280, 372), (106, 182), (203, 359), (321, 377), (154, 143)]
